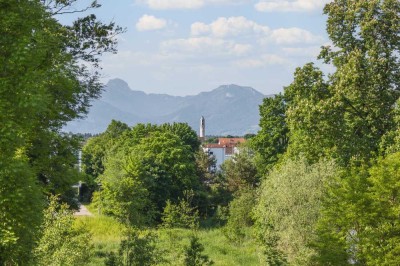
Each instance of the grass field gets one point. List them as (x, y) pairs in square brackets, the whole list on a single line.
[(107, 233)]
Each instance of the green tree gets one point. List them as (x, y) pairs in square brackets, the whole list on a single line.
[(136, 249), (308, 122), (360, 219), (95, 151), (20, 210), (382, 244), (54, 159), (346, 115), (240, 172), (182, 214), (185, 133), (194, 254), (343, 207), (61, 242), (206, 171), (350, 116), (166, 165), (45, 80), (288, 209), (158, 168), (240, 215), (272, 139)]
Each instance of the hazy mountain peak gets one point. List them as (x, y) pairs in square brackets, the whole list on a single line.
[(117, 84), (233, 91), (228, 109), (234, 87), (229, 87)]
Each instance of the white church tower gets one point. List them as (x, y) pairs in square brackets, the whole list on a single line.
[(202, 129)]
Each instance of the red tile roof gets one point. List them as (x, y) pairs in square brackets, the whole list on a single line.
[(228, 143), (231, 141)]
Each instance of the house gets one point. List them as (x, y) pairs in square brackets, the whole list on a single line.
[(224, 149)]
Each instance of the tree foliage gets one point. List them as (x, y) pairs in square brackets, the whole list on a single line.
[(360, 217), (349, 116), (49, 73), (194, 254), (61, 242), (20, 210), (288, 210), (344, 115), (240, 216), (94, 151), (149, 165), (308, 119), (240, 173), (136, 249), (272, 139), (182, 214)]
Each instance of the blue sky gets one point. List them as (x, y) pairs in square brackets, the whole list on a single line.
[(183, 47)]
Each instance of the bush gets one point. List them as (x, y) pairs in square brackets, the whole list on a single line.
[(181, 215), (240, 215), (62, 243), (360, 220), (137, 249), (288, 209), (194, 254)]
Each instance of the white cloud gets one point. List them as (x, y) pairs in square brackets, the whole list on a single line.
[(261, 61), (204, 46), (147, 23), (242, 27), (312, 51), (187, 4), (241, 49), (174, 4), (293, 36), (290, 6), (199, 28), (232, 26)]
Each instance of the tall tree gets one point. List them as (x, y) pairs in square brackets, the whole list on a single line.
[(95, 149), (346, 116), (139, 179), (366, 83), (360, 219), (308, 120), (272, 139), (72, 248), (47, 77), (288, 210), (240, 173), (185, 133)]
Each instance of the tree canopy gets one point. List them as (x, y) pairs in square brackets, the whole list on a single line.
[(349, 116), (146, 166), (49, 73)]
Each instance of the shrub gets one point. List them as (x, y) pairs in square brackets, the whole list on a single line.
[(194, 254), (181, 215), (137, 249), (289, 207), (62, 243), (240, 215)]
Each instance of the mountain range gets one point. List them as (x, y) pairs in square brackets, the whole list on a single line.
[(228, 109)]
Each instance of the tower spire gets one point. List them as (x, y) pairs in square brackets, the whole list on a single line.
[(202, 128)]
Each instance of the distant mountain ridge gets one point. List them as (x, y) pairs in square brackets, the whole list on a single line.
[(228, 109)]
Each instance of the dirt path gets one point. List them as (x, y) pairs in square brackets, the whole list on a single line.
[(83, 211)]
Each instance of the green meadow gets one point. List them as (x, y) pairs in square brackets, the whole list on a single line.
[(107, 234)]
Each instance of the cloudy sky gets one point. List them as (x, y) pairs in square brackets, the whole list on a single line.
[(183, 47)]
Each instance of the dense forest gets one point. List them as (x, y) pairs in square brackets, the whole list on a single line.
[(319, 183)]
